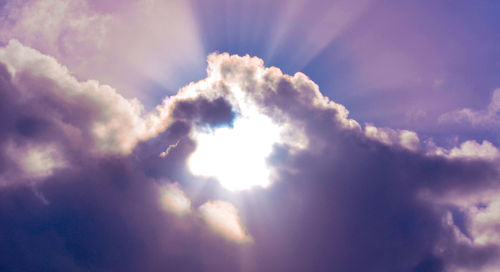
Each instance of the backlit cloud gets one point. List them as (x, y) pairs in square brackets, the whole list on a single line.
[(472, 149), (222, 217), (405, 138), (338, 189), (174, 200), (41, 162), (115, 124)]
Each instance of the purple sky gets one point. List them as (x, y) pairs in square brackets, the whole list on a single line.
[(250, 135)]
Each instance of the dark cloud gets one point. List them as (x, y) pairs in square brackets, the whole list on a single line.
[(204, 111), (344, 203)]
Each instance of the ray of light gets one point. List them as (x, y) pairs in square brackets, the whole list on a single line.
[(315, 25)]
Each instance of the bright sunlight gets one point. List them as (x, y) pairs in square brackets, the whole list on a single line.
[(236, 156)]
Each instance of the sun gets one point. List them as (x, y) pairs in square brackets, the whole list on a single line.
[(236, 156)]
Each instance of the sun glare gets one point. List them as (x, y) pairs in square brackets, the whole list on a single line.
[(236, 156)]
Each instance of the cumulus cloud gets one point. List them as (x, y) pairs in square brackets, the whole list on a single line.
[(116, 125), (466, 150), (297, 102), (339, 190), (222, 217), (265, 86), (475, 223), (472, 149)]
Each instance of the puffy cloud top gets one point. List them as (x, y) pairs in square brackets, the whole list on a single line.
[(115, 124), (339, 190)]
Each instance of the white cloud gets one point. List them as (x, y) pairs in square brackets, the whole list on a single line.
[(404, 138), (479, 229), (474, 150), (483, 223), (409, 139), (174, 200), (222, 217), (41, 161), (482, 210), (378, 134), (34, 162), (260, 83), (466, 150), (487, 118)]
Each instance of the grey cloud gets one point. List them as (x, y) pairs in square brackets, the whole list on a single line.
[(343, 202)]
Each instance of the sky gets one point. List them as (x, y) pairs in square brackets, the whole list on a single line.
[(249, 135)]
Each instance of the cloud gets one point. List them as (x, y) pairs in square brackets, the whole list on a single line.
[(131, 44), (404, 138), (53, 26), (345, 166), (113, 122), (30, 163), (378, 173), (343, 197), (40, 161), (174, 200), (486, 118), (222, 217), (472, 149), (486, 222), (468, 150), (475, 222)]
